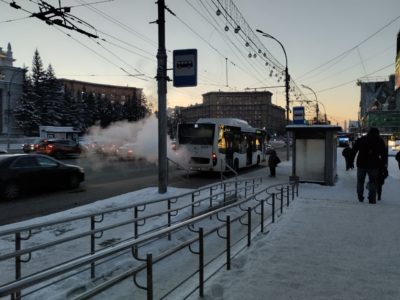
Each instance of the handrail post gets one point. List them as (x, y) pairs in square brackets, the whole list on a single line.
[(92, 246), (17, 294), (262, 215), (292, 192), (224, 193), (210, 205), (245, 189), (169, 218), (149, 276), (228, 242), (201, 262), (273, 208), (236, 187), (281, 200), (136, 230), (136, 225), (192, 205), (287, 196), (249, 227)]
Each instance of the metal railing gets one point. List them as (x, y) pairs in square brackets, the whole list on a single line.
[(227, 215), (169, 209)]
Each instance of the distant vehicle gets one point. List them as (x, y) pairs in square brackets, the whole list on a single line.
[(31, 147), (215, 143), (109, 149), (126, 151), (20, 173), (59, 148), (344, 139)]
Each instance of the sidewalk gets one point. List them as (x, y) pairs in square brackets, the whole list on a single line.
[(326, 245)]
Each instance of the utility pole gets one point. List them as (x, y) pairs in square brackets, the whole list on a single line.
[(162, 100)]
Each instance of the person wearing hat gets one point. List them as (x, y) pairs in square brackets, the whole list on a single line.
[(371, 153)]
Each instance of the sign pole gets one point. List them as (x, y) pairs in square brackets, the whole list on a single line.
[(162, 100)]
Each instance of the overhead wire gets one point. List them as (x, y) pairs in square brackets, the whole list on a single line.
[(13, 20), (98, 43), (239, 57), (120, 24), (346, 52), (97, 53), (350, 67), (354, 80)]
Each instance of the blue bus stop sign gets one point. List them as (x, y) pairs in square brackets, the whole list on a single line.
[(298, 115), (185, 67)]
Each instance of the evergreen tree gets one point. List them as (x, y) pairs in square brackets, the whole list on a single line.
[(26, 112), (38, 77), (53, 110)]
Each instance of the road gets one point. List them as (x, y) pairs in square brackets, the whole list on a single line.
[(104, 178)]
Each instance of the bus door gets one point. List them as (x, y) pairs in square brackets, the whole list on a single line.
[(226, 143), (249, 150)]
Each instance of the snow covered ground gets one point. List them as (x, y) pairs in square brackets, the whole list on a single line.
[(326, 245)]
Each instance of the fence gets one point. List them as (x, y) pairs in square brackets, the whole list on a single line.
[(178, 209)]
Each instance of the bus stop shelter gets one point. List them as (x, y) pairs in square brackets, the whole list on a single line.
[(314, 153)]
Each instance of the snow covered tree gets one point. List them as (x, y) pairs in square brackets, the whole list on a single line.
[(26, 111), (53, 108)]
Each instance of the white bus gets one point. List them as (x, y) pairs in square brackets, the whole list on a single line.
[(211, 144)]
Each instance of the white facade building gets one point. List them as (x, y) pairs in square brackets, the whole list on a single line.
[(11, 87)]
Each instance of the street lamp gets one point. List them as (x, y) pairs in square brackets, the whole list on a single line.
[(317, 103), (287, 80)]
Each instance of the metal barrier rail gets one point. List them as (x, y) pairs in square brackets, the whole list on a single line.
[(96, 233), (271, 193)]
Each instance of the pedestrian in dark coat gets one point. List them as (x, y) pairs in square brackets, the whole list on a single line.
[(383, 174), (371, 151), (397, 157), (347, 156), (273, 161)]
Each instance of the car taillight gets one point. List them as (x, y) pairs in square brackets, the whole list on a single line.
[(130, 151), (50, 146), (214, 159)]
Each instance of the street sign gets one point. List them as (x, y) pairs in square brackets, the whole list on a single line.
[(185, 67), (298, 115)]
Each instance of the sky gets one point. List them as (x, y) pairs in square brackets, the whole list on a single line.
[(333, 235), (329, 46)]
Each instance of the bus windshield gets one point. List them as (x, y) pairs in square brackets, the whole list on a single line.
[(198, 134)]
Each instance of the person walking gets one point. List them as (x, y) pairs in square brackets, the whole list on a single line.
[(397, 157), (273, 161), (383, 174), (347, 156), (371, 152)]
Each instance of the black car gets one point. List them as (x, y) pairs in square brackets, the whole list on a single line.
[(20, 173)]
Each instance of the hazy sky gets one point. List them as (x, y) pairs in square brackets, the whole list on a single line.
[(313, 33)]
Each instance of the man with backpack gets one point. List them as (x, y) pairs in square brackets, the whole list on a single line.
[(372, 152)]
